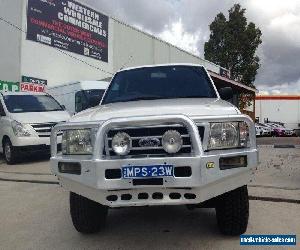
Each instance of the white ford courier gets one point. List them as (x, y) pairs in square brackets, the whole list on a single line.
[(162, 136)]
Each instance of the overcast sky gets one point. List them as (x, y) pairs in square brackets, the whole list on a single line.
[(184, 23)]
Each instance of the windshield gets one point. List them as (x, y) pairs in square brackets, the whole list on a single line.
[(31, 103), (163, 82)]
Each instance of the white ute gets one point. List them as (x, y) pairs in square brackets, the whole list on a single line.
[(26, 120), (161, 136)]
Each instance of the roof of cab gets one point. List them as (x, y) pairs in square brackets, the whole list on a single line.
[(161, 65)]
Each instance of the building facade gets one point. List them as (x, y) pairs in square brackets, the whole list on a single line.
[(62, 41), (276, 108)]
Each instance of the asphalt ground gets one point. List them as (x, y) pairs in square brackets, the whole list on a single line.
[(35, 215)]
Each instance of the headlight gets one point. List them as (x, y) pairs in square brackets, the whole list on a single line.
[(121, 143), (21, 130), (77, 142), (172, 141), (225, 135)]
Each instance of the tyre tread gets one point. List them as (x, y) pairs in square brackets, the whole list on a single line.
[(14, 157), (233, 211), (87, 216)]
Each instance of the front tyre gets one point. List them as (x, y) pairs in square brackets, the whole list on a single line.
[(232, 211), (9, 151), (87, 216)]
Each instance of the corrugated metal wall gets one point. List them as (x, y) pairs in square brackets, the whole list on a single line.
[(134, 48), (285, 111), (10, 40), (127, 46)]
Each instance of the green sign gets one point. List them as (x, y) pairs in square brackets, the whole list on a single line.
[(34, 80), (9, 86)]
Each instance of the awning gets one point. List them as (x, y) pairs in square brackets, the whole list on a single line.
[(235, 85), (277, 97)]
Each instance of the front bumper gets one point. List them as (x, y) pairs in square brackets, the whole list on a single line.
[(266, 133), (32, 141), (31, 149), (203, 184), (280, 133), (289, 133)]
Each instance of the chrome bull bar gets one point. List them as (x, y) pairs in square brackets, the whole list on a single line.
[(104, 127), (140, 121)]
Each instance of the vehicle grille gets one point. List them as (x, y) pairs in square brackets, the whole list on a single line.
[(44, 129), (137, 133)]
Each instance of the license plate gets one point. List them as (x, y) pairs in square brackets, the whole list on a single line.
[(152, 171)]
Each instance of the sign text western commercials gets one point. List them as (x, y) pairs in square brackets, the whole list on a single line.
[(68, 25)]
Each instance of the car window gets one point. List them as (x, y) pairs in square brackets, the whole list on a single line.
[(80, 101), (83, 98)]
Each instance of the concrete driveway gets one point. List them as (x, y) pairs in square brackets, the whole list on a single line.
[(35, 215)]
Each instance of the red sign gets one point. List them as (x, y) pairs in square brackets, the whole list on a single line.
[(31, 87)]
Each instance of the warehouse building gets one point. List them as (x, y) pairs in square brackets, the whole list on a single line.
[(278, 108), (54, 42)]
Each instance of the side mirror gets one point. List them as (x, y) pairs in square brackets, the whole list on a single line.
[(226, 93), (94, 101)]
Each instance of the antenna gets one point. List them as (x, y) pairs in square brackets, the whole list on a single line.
[(127, 62)]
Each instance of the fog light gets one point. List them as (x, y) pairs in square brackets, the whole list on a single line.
[(172, 141), (121, 143), (69, 168), (233, 162)]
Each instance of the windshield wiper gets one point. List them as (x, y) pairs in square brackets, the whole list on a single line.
[(140, 98)]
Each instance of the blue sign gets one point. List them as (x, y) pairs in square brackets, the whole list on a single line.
[(268, 240)]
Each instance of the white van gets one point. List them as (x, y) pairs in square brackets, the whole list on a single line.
[(26, 120), (78, 96)]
